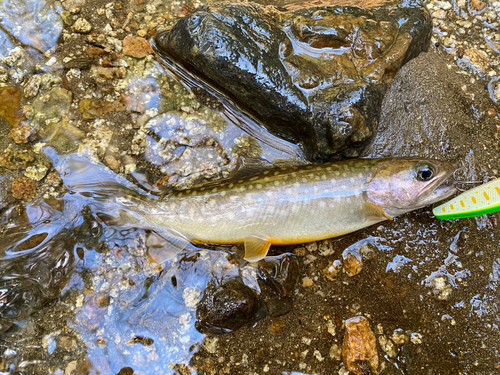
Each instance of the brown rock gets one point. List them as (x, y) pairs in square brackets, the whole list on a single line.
[(24, 188), (277, 325), (359, 349), (10, 100), (136, 46), (94, 108), (95, 51)]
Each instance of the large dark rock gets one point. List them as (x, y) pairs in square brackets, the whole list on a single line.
[(313, 76)]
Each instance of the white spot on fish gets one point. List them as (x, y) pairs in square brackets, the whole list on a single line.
[(337, 173), (323, 177), (258, 186), (254, 178), (222, 193), (266, 179), (276, 183), (276, 173), (304, 180), (231, 186), (328, 168), (266, 172), (250, 186), (214, 190), (322, 204)]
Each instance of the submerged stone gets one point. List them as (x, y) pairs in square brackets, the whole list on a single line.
[(227, 307), (314, 76), (359, 348)]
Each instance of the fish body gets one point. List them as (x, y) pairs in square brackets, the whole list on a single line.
[(302, 204), (282, 206), (478, 201)]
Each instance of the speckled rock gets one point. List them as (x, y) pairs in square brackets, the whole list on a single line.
[(82, 26), (24, 188)]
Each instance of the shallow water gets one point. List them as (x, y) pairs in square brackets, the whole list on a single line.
[(84, 296)]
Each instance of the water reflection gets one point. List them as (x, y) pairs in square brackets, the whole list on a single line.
[(31, 23)]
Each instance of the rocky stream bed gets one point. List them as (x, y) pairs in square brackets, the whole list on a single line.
[(175, 94)]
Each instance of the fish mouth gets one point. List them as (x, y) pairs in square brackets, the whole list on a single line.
[(441, 188)]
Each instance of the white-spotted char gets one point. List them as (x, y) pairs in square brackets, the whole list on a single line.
[(290, 206)]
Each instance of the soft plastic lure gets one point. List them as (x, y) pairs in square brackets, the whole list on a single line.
[(480, 200)]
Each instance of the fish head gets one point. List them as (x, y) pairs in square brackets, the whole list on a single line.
[(402, 185)]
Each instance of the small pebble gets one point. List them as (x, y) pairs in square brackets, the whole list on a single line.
[(82, 26)]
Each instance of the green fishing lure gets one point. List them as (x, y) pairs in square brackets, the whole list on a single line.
[(481, 200)]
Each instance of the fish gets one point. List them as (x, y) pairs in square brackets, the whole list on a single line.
[(285, 206), (481, 200)]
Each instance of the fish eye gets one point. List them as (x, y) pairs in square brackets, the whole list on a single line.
[(424, 171)]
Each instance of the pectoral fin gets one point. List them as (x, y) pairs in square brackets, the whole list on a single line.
[(256, 248), (374, 212)]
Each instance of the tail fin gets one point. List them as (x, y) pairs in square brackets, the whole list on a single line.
[(82, 176), (116, 201)]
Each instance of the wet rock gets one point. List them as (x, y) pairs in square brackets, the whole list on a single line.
[(13, 159), (112, 163), (354, 255), (388, 346), (24, 188), (36, 172), (136, 46), (314, 76), (64, 137), (281, 273), (399, 336), (477, 60), (432, 110), (10, 100), (227, 307), (277, 325), (94, 108), (359, 348), (330, 272)]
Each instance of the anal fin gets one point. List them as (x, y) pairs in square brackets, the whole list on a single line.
[(256, 248), (374, 212)]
